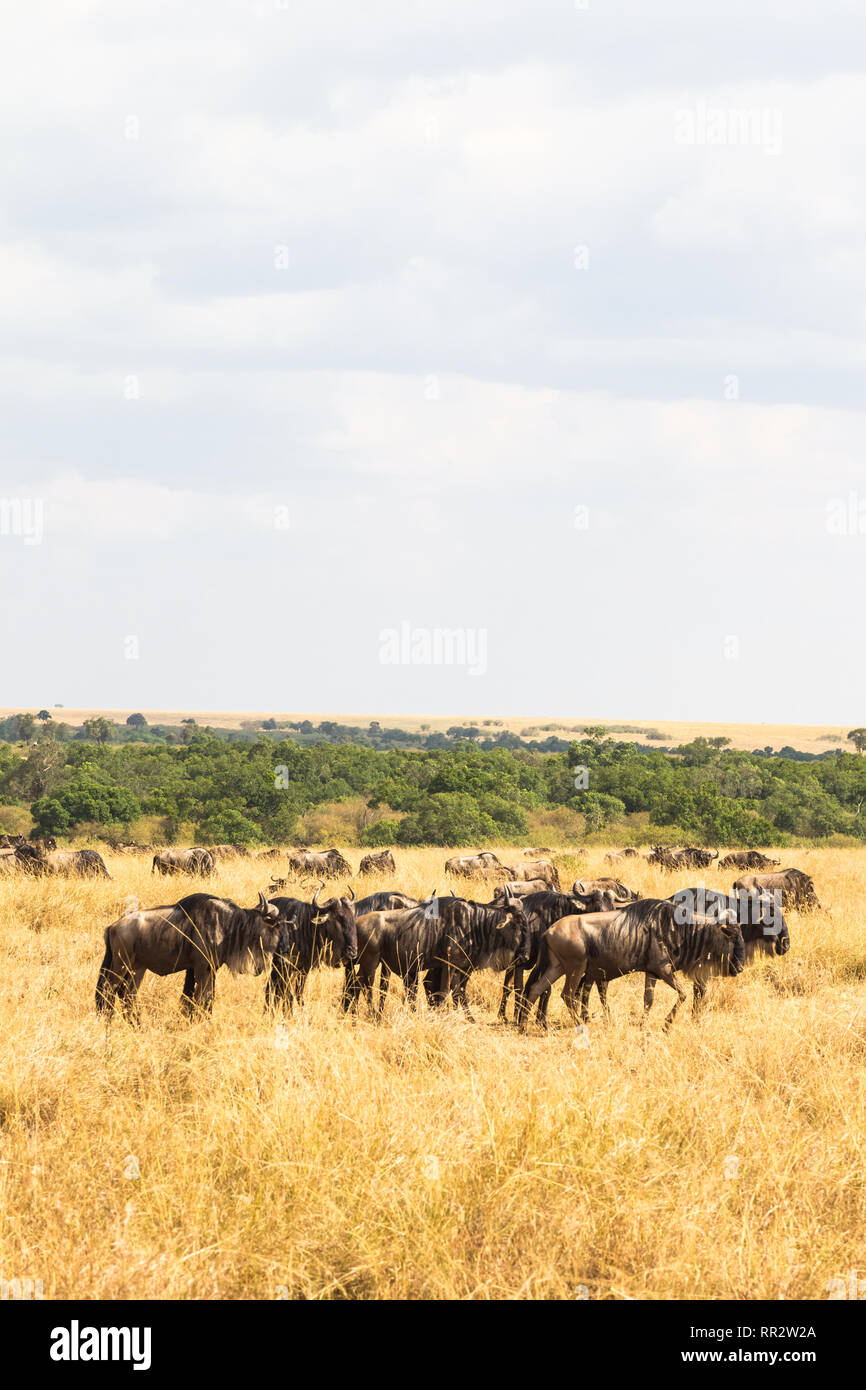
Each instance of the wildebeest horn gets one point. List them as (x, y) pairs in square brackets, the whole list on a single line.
[(351, 892), (578, 887), (263, 903), (317, 892)]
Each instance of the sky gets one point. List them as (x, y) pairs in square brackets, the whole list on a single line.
[(496, 359)]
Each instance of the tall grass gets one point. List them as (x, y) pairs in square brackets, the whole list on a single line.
[(427, 1157)]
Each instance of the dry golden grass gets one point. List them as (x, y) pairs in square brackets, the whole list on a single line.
[(426, 1157)]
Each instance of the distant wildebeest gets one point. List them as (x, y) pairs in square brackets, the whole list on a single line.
[(796, 887), (616, 856), (327, 863), (196, 935), (81, 863), (445, 940), (535, 869), (270, 854), (39, 842), (747, 859), (643, 936), (475, 865), (533, 853), (542, 910), (183, 861), (621, 894), (229, 851), (521, 890), (682, 857), (310, 934), (381, 863), (387, 901)]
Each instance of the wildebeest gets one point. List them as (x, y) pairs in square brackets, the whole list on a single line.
[(758, 915), (381, 863), (183, 861), (387, 901), (643, 936), (445, 940), (520, 890), (310, 934), (796, 887), (621, 894), (196, 935), (475, 865), (542, 910), (681, 857), (83, 863), (533, 853), (229, 851), (616, 856), (535, 869), (327, 863), (747, 859)]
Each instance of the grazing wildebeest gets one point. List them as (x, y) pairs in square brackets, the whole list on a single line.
[(84, 863), (183, 861), (533, 853), (747, 859), (796, 887), (270, 854), (229, 851), (621, 894), (445, 939), (664, 857), (475, 865), (196, 935), (616, 856), (535, 869), (683, 857), (381, 863), (542, 910), (643, 936), (327, 863), (310, 934)]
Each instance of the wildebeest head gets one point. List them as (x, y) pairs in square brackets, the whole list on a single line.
[(336, 919), (735, 958), (256, 936)]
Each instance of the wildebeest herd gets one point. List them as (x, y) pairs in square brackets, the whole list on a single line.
[(531, 932)]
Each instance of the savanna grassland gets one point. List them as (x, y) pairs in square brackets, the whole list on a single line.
[(427, 1157)]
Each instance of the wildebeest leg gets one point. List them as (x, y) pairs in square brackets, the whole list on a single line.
[(572, 984), (544, 980), (410, 984), (509, 983), (384, 982), (460, 997), (351, 989), (649, 985), (203, 992), (130, 993), (668, 974), (277, 988), (186, 999), (699, 989)]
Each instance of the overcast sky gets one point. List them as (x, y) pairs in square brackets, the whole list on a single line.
[(537, 322)]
